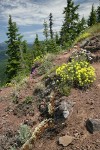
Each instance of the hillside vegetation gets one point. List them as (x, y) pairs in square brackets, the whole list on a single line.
[(55, 101), (50, 98)]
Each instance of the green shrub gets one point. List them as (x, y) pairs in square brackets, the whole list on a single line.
[(24, 133), (82, 37), (77, 73), (44, 67), (64, 89), (38, 60), (28, 99)]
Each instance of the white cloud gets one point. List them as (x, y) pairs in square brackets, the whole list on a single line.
[(24, 12), (32, 13), (85, 8)]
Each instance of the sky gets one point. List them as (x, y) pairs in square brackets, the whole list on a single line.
[(30, 15)]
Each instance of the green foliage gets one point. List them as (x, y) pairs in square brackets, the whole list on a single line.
[(70, 25), (89, 32), (50, 25), (45, 63), (52, 46), (24, 133), (37, 48), (38, 60), (81, 25), (44, 67), (20, 81), (3, 79), (64, 88), (98, 14), (92, 18), (13, 51), (45, 32), (28, 99), (77, 73), (15, 97), (82, 37), (57, 38)]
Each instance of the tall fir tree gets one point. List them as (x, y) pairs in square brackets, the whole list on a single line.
[(50, 25), (98, 13), (92, 18), (69, 28), (46, 32), (13, 50)]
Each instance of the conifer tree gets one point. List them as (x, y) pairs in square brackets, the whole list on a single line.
[(92, 18), (45, 32), (98, 14), (13, 50), (82, 25), (50, 25), (52, 46), (57, 38), (24, 46), (69, 28), (37, 47)]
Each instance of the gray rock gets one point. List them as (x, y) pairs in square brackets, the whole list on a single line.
[(65, 140), (66, 107), (65, 114), (93, 125)]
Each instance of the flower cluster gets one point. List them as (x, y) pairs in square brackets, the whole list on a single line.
[(39, 129), (38, 59), (79, 73), (82, 55)]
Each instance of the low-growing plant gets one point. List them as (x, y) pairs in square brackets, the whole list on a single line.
[(38, 59), (80, 73), (15, 96), (82, 55), (24, 133), (82, 37), (44, 67), (28, 99), (89, 32), (64, 89), (9, 84)]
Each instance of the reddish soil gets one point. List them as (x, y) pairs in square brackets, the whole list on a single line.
[(87, 105)]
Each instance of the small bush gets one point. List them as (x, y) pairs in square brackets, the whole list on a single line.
[(28, 99), (24, 133), (38, 59), (77, 73), (82, 55), (44, 67), (64, 89)]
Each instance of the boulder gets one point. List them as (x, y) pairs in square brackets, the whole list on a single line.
[(93, 125)]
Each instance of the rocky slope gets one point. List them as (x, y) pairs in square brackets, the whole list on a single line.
[(69, 131)]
